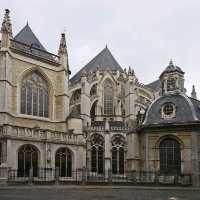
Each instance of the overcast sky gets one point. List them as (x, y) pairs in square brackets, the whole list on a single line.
[(143, 34)]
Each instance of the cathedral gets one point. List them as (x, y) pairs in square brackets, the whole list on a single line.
[(102, 119)]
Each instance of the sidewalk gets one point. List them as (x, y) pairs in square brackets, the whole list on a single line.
[(94, 187)]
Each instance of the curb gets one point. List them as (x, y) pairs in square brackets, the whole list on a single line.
[(97, 187)]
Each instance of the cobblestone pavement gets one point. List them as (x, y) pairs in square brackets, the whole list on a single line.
[(97, 194)]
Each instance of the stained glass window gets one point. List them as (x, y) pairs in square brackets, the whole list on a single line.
[(118, 143), (34, 96), (63, 160), (108, 97), (27, 159), (97, 153)]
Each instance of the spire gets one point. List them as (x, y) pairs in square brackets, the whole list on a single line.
[(6, 25), (62, 52), (63, 46), (193, 93)]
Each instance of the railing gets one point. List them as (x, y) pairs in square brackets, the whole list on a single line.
[(19, 46), (38, 134), (45, 175), (102, 126)]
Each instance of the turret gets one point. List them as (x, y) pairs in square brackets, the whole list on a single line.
[(172, 79), (6, 30)]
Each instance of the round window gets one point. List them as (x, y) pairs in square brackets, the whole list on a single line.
[(168, 109)]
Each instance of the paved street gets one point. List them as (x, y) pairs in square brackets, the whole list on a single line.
[(62, 193)]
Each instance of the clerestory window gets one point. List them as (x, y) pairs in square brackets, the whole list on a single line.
[(108, 97)]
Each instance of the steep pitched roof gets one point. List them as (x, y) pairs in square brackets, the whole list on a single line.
[(27, 36), (155, 85), (103, 61)]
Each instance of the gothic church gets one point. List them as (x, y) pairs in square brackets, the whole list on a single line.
[(102, 119)]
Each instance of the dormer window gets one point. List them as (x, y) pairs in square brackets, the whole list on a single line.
[(168, 111), (171, 84)]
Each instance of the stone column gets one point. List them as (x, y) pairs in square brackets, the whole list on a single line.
[(107, 154), (194, 159), (146, 152), (133, 155)]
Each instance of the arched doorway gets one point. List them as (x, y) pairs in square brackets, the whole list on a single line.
[(97, 153), (170, 156), (63, 161), (118, 143), (27, 159)]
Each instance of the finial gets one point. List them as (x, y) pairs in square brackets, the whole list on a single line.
[(129, 70), (193, 93), (63, 46), (106, 46), (6, 25), (171, 62)]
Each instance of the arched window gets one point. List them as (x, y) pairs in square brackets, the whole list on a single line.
[(97, 153), (108, 97), (34, 96), (76, 97), (63, 160), (93, 111), (27, 159), (118, 143), (170, 156), (93, 90)]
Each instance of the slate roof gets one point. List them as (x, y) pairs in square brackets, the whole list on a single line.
[(187, 110), (155, 85), (27, 36), (103, 61)]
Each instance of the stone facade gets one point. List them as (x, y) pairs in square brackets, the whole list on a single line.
[(102, 106)]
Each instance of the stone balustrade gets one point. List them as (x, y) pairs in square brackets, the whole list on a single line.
[(35, 134), (24, 48)]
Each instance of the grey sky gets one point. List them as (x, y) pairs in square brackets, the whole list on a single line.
[(143, 34)]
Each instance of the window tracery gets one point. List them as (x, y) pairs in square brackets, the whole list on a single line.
[(34, 96), (108, 97), (118, 154)]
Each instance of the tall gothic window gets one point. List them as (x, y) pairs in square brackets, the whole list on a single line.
[(63, 160), (170, 156), (34, 96), (27, 159), (97, 153), (118, 143), (108, 97)]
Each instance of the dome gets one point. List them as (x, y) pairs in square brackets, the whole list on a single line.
[(172, 68), (185, 110)]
